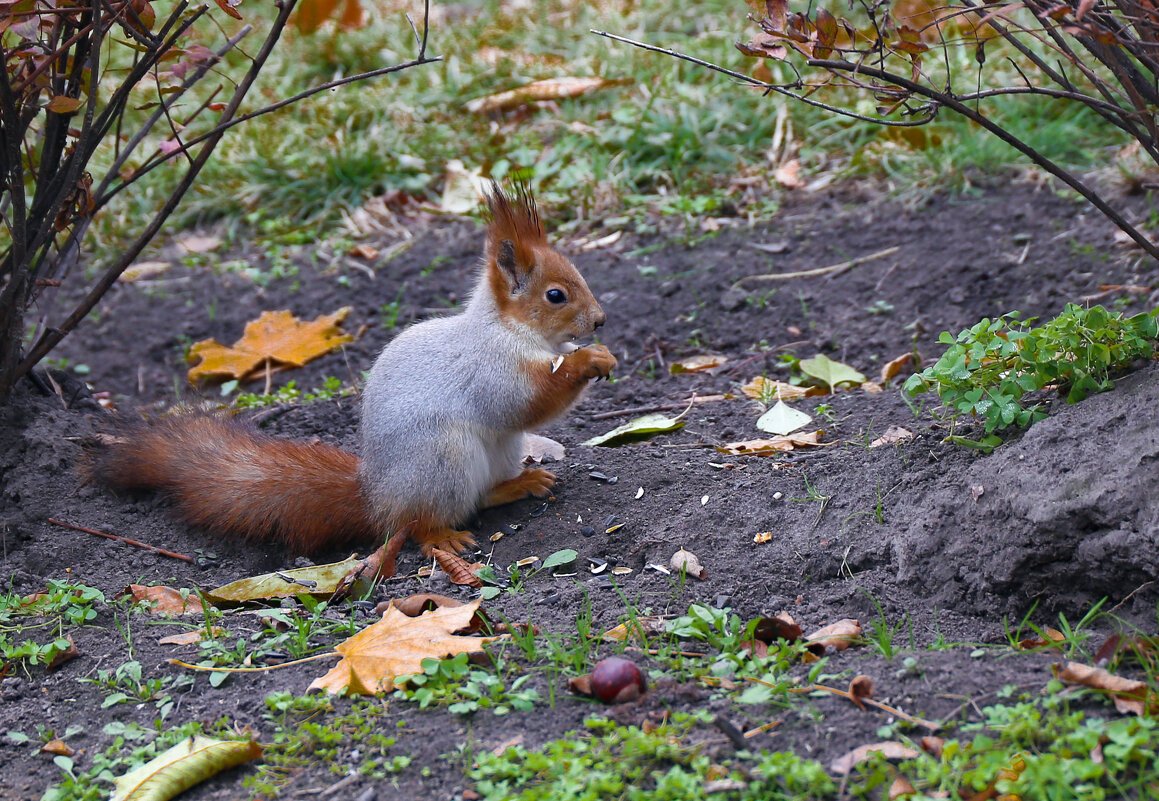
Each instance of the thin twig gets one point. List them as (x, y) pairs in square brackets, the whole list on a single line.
[(126, 540), (659, 407), (833, 268)]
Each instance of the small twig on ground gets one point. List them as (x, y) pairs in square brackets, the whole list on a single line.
[(659, 407), (836, 269), (126, 540)]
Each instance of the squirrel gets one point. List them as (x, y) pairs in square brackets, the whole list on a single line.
[(444, 411)]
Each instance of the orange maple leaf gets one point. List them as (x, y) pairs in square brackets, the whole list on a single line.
[(396, 646), (274, 338)]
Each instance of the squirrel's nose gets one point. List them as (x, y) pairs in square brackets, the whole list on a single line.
[(599, 319)]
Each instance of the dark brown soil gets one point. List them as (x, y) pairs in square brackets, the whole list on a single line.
[(1068, 512)]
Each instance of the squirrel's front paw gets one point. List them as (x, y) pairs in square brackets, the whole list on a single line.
[(600, 362)]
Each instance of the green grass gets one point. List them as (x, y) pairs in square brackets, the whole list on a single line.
[(670, 139)]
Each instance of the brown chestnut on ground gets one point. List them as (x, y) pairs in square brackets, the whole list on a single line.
[(617, 680)]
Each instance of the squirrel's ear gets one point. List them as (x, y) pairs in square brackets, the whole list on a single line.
[(505, 258)]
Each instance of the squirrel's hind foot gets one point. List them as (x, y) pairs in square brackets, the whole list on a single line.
[(532, 482)]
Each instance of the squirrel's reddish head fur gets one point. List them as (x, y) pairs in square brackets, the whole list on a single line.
[(513, 219)]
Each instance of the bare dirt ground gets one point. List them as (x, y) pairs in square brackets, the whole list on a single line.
[(1068, 512)]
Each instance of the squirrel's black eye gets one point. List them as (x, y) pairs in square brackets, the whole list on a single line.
[(556, 296)]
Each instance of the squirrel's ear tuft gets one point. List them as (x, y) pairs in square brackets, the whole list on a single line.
[(513, 216)]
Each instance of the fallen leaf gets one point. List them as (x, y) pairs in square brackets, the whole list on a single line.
[(364, 251), (768, 630), (639, 628), (892, 434), (1048, 637), (58, 747), (457, 568), (462, 188), (396, 646), (901, 788), (789, 174), (198, 243), (189, 637), (535, 92), (890, 748), (417, 604), (832, 374), (838, 635), (637, 430), (143, 269), (540, 449), (766, 447), (860, 688), (763, 537), (686, 562), (182, 766), (894, 366), (871, 388), (696, 364), (67, 655), (782, 419), (165, 600), (765, 389), (315, 580), (1130, 696), (274, 338)]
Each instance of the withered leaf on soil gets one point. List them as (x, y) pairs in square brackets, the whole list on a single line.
[(537, 91), (901, 788), (782, 419), (67, 655), (637, 430), (838, 635), (894, 366), (696, 364), (165, 600), (189, 637), (396, 646), (457, 568), (891, 748), (640, 629), (1130, 696), (1142, 648), (859, 689), (892, 434), (1047, 637), (182, 766), (762, 388), (768, 630), (788, 174), (58, 747), (313, 580), (830, 373), (540, 449), (275, 338), (767, 447)]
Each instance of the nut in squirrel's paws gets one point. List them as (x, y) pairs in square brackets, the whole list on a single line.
[(601, 362)]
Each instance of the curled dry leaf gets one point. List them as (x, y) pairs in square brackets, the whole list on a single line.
[(1130, 696), (536, 92), (860, 688), (890, 748), (142, 270), (165, 600), (901, 788), (58, 747), (696, 364), (1048, 637), (415, 605), (67, 655), (541, 449), (767, 447), (687, 562), (932, 745), (763, 537), (894, 366), (313, 580), (892, 434), (364, 251), (275, 338), (838, 636), (189, 637), (761, 388), (639, 629), (457, 568), (188, 763)]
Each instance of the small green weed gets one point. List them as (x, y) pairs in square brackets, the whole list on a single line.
[(990, 367), (464, 688), (61, 606), (626, 762), (331, 388), (127, 684)]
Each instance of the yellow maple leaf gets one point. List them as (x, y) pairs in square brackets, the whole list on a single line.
[(396, 646), (276, 338)]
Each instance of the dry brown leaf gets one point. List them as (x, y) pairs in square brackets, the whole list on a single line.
[(417, 604), (763, 537), (396, 646), (58, 747), (278, 337), (838, 635), (762, 388), (859, 689), (789, 174), (189, 637), (932, 745), (891, 748), (1049, 636), (892, 434), (537, 91), (310, 14), (766, 447), (67, 655), (540, 449), (198, 243), (641, 628), (894, 366), (165, 600), (696, 364), (1130, 696), (142, 270), (457, 568), (871, 388), (901, 788), (364, 251)]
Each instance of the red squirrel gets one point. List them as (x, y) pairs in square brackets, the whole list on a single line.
[(444, 411)]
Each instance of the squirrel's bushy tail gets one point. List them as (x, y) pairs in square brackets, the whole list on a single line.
[(227, 478)]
